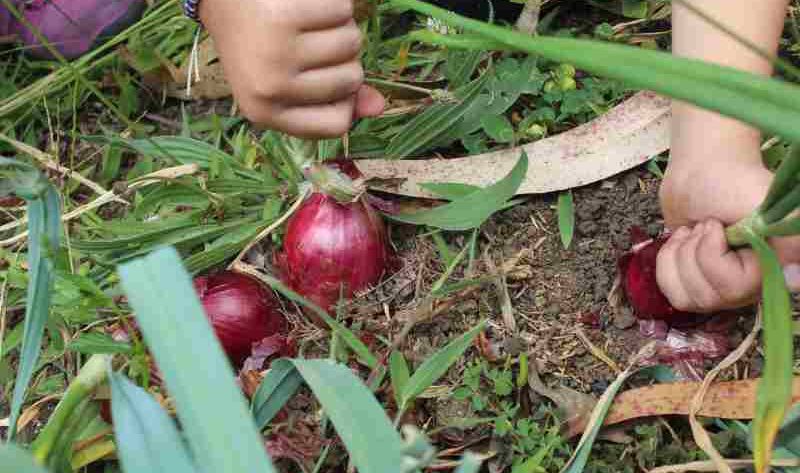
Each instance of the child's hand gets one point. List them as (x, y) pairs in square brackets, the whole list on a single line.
[(293, 65), (696, 269)]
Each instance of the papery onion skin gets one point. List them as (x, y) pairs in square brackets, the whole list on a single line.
[(638, 272), (332, 249), (241, 310)]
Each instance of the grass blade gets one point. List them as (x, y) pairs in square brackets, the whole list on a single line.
[(212, 411), (275, 390), (398, 371), (770, 104), (474, 209), (44, 227), (437, 365), (579, 458), (775, 388), (566, 218), (16, 460), (147, 439)]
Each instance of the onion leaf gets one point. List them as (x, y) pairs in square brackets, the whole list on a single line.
[(44, 227), (16, 460), (147, 439), (775, 387)]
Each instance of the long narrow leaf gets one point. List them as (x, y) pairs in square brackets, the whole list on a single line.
[(360, 421), (474, 209), (147, 439), (15, 460), (770, 104), (437, 365), (398, 371), (579, 458), (566, 218), (45, 230), (775, 388), (275, 390), (374, 445), (212, 411)]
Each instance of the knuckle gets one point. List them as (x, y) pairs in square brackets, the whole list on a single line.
[(353, 40), (355, 77), (345, 8)]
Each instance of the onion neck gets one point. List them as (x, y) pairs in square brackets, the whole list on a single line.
[(334, 183), (736, 234)]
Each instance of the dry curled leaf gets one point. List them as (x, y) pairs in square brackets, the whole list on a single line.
[(724, 400), (623, 138)]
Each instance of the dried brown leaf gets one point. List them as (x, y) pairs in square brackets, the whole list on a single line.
[(623, 138)]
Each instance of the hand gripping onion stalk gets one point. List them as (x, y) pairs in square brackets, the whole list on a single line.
[(777, 216), (335, 243)]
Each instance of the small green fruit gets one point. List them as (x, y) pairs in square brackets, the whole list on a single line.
[(565, 70), (549, 86), (567, 84)]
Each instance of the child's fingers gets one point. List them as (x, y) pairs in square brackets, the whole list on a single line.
[(369, 102), (734, 274), (327, 85), (316, 121), (667, 273), (329, 47), (704, 297), (311, 15)]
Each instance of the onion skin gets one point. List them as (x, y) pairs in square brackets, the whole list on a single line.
[(241, 310), (333, 249), (638, 270)]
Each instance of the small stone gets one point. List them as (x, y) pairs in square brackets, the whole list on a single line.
[(624, 318)]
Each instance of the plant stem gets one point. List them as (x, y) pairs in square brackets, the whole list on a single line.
[(737, 234), (528, 20), (334, 183), (783, 207), (92, 375)]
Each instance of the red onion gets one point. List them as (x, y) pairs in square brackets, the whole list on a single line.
[(638, 270), (334, 248), (241, 310)]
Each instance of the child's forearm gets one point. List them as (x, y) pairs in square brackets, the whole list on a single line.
[(699, 134)]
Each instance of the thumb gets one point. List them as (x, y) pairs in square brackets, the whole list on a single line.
[(369, 102)]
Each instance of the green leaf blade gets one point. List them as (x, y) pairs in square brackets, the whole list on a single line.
[(775, 387), (146, 438), (275, 390), (566, 218), (437, 365), (475, 208), (16, 460), (398, 371), (45, 230), (360, 421)]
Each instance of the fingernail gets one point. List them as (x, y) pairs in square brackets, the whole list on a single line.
[(792, 274), (682, 232)]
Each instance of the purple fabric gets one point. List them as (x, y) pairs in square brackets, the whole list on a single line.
[(6, 22), (74, 27)]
